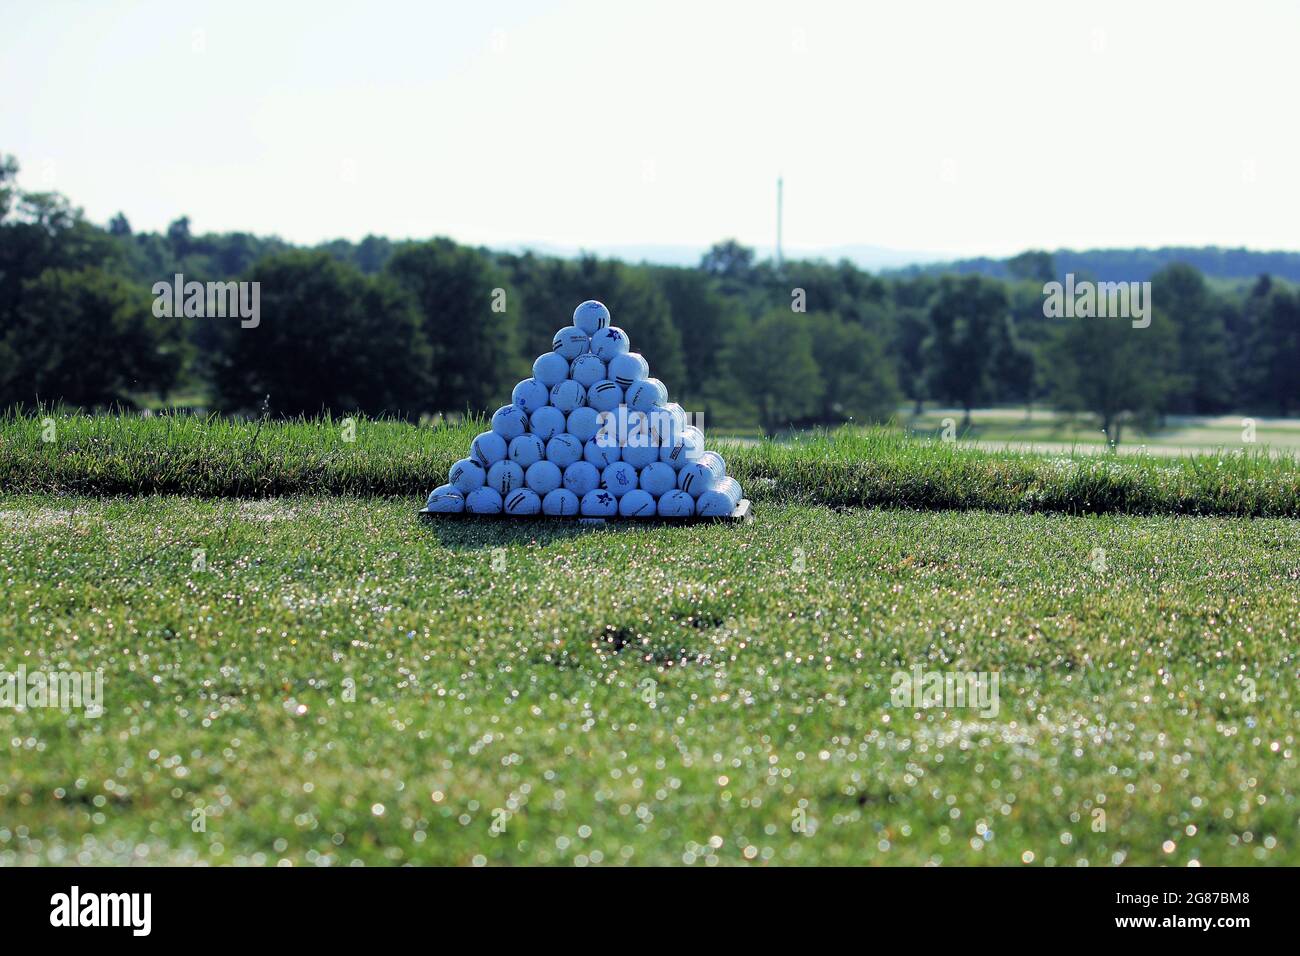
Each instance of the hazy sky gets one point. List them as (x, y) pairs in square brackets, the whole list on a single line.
[(959, 128)]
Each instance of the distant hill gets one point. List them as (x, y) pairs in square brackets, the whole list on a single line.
[(1137, 265)]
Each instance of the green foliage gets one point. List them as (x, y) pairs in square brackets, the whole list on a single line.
[(455, 290), (87, 338), (776, 372), (858, 384), (329, 339), (966, 318)]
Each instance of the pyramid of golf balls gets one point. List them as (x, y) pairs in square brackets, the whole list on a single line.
[(591, 434)]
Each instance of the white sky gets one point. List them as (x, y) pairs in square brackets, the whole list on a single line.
[(956, 128)]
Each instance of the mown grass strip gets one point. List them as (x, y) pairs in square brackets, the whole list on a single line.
[(220, 458)]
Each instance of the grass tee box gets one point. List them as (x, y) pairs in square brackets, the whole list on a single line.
[(742, 515)]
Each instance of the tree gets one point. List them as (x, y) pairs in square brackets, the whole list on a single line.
[(911, 328), (329, 339), (774, 368), (857, 383), (1273, 373), (473, 344), (1180, 293), (965, 315), (86, 338), (1033, 266), (728, 260), (1119, 373)]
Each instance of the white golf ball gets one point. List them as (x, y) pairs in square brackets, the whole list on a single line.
[(487, 449), (600, 454), (645, 394), (543, 477), (605, 396), (587, 370), (547, 422), (551, 369), (526, 449), (720, 501), (560, 503), (713, 461), (618, 478), (568, 395), (676, 504), (571, 342), (591, 316), (658, 478), (639, 443), (446, 499), (637, 504), (689, 447), (608, 343), (564, 449), (628, 368), (509, 421), (530, 394), (504, 477), (583, 423), (483, 501), (521, 501), (466, 475), (582, 477), (599, 504), (695, 478)]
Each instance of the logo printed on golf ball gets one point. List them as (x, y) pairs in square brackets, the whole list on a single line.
[(605, 396), (560, 503), (484, 501), (571, 342), (628, 368), (564, 449), (600, 454), (446, 499), (523, 502), (568, 395), (466, 475), (608, 343), (487, 449), (676, 504), (636, 504), (505, 476), (619, 478), (599, 504)]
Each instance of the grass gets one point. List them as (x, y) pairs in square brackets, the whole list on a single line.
[(327, 680), (185, 455)]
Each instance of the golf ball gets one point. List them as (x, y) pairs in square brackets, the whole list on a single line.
[(591, 316), (719, 501), (583, 423), (645, 394), (658, 478), (695, 478), (608, 343), (582, 477), (688, 448), (568, 395), (587, 370), (504, 477), (639, 442), (483, 501), (676, 504), (466, 475), (547, 422), (637, 504), (487, 449), (564, 449), (600, 453), (628, 368), (543, 477), (551, 369), (509, 421), (560, 502), (522, 502), (530, 394), (618, 478), (526, 449), (605, 396), (571, 342), (446, 499), (600, 504)]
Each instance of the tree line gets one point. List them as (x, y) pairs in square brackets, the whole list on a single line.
[(416, 327)]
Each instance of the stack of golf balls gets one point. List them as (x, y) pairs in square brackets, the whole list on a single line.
[(590, 434)]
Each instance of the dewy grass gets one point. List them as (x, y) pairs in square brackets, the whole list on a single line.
[(323, 680), (184, 455)]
